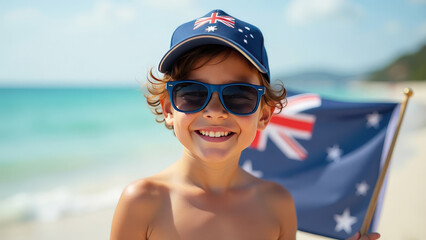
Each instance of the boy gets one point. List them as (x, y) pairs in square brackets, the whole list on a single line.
[(215, 95)]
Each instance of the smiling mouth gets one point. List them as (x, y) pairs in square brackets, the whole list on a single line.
[(214, 134)]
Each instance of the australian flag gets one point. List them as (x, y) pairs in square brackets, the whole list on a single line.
[(328, 154)]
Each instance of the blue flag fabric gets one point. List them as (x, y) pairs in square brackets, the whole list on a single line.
[(328, 154)]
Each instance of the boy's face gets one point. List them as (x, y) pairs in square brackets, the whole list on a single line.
[(232, 133)]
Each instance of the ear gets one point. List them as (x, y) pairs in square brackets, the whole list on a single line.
[(265, 116), (166, 107)]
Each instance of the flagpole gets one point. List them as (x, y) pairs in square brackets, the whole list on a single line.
[(373, 201)]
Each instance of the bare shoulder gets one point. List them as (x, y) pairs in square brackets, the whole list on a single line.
[(274, 192), (276, 196), (145, 191), (281, 204), (138, 205)]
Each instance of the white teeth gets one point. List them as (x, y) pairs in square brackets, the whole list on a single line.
[(214, 134)]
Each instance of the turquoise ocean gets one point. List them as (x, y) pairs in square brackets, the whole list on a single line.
[(67, 151)]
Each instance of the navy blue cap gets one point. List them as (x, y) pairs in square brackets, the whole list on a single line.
[(218, 27)]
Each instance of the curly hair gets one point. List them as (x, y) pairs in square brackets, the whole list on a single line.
[(156, 86)]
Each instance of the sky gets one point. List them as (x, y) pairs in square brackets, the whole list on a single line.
[(111, 42)]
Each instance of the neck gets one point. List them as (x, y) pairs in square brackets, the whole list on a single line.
[(211, 176)]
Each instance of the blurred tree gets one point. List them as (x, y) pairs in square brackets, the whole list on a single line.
[(410, 67)]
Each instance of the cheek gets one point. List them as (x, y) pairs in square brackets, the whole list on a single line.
[(249, 127), (182, 123)]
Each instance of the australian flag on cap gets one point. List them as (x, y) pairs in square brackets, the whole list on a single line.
[(218, 27)]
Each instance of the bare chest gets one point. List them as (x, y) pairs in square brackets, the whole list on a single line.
[(211, 217)]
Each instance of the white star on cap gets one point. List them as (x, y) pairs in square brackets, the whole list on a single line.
[(248, 167), (246, 36), (362, 188), (373, 120), (211, 28), (334, 153), (344, 221)]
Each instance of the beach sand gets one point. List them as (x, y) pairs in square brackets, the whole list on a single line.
[(94, 225), (404, 209)]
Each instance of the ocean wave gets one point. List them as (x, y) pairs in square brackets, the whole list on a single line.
[(54, 204)]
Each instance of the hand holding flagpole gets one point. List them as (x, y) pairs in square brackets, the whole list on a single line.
[(373, 202)]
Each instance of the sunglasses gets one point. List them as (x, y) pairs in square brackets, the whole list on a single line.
[(192, 96)]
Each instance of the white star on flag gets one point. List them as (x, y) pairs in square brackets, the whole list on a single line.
[(334, 153), (344, 221), (248, 167), (362, 188), (373, 119), (211, 28)]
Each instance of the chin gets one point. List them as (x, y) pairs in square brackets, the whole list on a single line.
[(216, 156)]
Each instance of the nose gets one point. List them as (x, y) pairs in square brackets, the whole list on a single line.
[(214, 109)]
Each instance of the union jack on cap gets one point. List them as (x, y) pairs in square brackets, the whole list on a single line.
[(218, 27)]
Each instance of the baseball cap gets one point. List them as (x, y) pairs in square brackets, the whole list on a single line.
[(218, 27)]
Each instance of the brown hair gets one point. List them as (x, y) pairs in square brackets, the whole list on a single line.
[(156, 86)]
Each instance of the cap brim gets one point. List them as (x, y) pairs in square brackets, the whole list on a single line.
[(198, 40)]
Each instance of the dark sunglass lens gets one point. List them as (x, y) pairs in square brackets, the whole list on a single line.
[(189, 97), (240, 99)]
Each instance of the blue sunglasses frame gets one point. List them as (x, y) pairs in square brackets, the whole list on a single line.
[(211, 88)]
